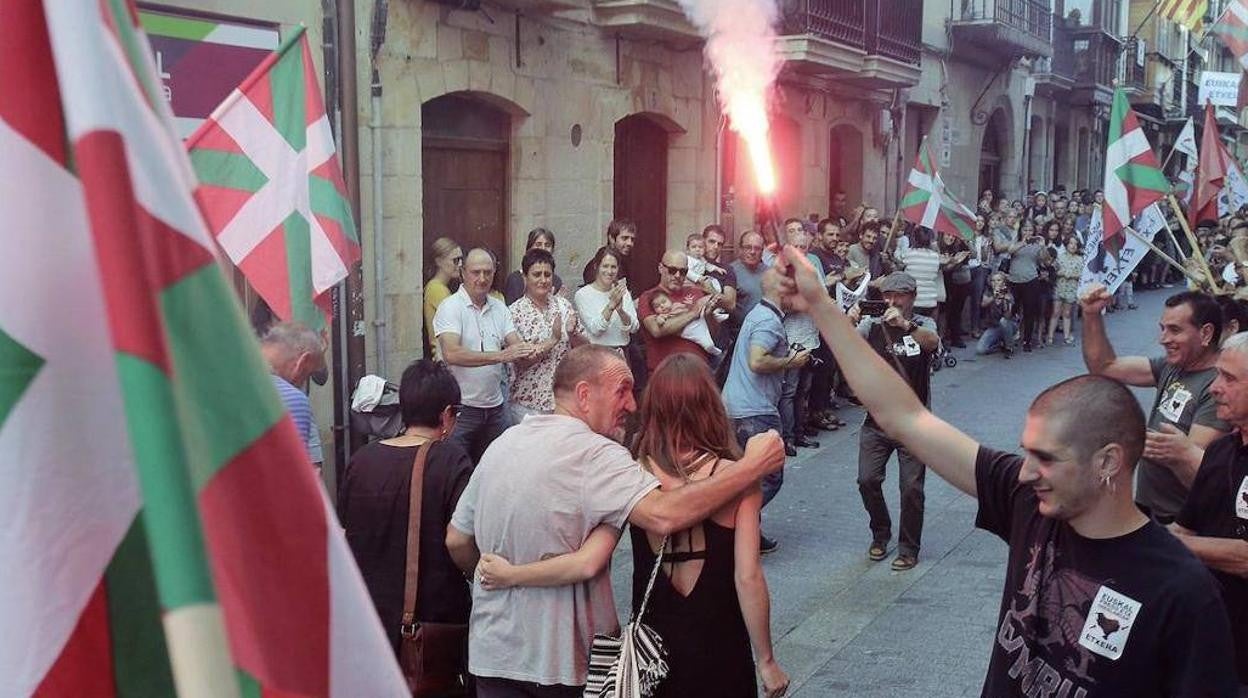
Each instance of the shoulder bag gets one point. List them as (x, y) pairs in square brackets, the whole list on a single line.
[(632, 665), (433, 656)]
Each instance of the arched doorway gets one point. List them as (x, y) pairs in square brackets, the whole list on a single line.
[(786, 150), (641, 193), (464, 149), (991, 153), (845, 163)]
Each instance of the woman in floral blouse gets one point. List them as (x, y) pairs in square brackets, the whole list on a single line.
[(548, 321)]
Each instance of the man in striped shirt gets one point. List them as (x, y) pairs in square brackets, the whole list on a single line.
[(294, 352)]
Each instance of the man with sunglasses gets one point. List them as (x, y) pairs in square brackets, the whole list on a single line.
[(662, 333)]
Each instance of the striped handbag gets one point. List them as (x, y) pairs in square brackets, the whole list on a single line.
[(632, 665)]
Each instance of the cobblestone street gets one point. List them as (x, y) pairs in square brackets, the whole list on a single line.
[(845, 626)]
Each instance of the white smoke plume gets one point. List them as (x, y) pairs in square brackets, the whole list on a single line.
[(741, 47)]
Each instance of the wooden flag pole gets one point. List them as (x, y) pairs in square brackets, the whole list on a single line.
[(1177, 247), (892, 230), (1169, 260), (1198, 253)]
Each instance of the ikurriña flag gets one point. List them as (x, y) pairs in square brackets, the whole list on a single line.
[(271, 188), (157, 490), (926, 202)]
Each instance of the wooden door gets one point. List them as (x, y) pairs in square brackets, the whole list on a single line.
[(465, 194), (641, 194)]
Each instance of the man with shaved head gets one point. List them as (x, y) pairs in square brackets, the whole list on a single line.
[(538, 492), (1099, 600), (662, 332), (477, 338)]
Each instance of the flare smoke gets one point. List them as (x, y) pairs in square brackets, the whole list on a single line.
[(741, 48)]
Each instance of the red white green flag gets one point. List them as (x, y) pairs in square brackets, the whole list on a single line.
[(926, 202), (1232, 29), (160, 503), (1133, 177), (271, 188)]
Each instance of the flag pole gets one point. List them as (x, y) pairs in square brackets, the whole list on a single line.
[(1169, 260), (892, 230), (1191, 238)]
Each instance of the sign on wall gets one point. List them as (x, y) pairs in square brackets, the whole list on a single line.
[(200, 61), (1220, 88)]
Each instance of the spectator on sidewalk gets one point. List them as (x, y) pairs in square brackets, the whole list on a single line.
[(550, 325), (605, 307), (663, 332), (539, 239), (294, 352), (748, 268)]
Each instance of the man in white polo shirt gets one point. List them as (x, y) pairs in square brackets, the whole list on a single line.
[(476, 336)]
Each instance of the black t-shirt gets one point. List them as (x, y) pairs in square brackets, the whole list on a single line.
[(373, 508), (915, 361), (1136, 615), (1217, 506)]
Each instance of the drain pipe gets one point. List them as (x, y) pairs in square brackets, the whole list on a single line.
[(380, 306)]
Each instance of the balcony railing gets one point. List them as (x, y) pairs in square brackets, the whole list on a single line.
[(841, 21), (895, 29), (1134, 75), (1062, 62), (1029, 16)]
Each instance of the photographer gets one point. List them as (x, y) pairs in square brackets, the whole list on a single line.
[(795, 388), (908, 342)]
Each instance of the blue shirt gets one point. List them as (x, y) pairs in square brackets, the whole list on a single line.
[(300, 410), (749, 286), (750, 394)]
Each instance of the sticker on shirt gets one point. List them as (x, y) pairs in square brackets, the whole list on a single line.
[(1109, 622), (1174, 402), (906, 347), (1241, 500)]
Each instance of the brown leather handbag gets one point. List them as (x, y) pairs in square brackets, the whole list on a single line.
[(433, 656)]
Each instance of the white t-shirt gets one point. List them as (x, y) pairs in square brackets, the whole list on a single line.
[(590, 303), (479, 329), (540, 489)]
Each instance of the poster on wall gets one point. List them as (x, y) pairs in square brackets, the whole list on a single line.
[(1220, 88), (201, 60)]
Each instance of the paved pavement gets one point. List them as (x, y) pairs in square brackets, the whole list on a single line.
[(844, 626)]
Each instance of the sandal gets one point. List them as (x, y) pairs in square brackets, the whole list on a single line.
[(878, 551), (901, 563)]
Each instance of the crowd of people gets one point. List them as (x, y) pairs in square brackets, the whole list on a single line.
[(549, 417)]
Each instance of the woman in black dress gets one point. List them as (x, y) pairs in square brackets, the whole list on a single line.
[(710, 603), (374, 500)]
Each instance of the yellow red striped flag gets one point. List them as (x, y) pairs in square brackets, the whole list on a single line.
[(1188, 13)]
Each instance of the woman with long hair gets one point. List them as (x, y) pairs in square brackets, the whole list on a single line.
[(444, 278), (980, 264), (710, 603), (605, 306), (1069, 268)]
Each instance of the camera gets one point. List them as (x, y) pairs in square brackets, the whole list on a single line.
[(870, 308), (799, 347)]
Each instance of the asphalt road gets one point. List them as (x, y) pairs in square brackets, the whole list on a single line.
[(844, 626)]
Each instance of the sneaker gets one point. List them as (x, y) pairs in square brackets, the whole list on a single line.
[(766, 545)]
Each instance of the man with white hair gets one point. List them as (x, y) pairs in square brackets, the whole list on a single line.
[(1214, 521), (294, 352)]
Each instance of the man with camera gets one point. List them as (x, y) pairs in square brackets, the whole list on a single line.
[(755, 377), (907, 341)]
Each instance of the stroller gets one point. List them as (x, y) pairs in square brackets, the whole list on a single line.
[(375, 408)]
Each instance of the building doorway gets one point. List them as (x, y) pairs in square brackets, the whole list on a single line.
[(641, 193), (991, 153), (845, 163)]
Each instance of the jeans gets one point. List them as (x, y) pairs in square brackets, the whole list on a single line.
[(745, 427), (979, 281), (874, 449), (493, 687), (996, 337), (477, 427), (794, 392), (1028, 297)]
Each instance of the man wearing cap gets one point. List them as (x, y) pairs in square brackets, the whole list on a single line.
[(907, 341)]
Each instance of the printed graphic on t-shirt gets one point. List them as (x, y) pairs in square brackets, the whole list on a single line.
[(1241, 499), (907, 346), (1174, 401), (1109, 623), (1042, 629)]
